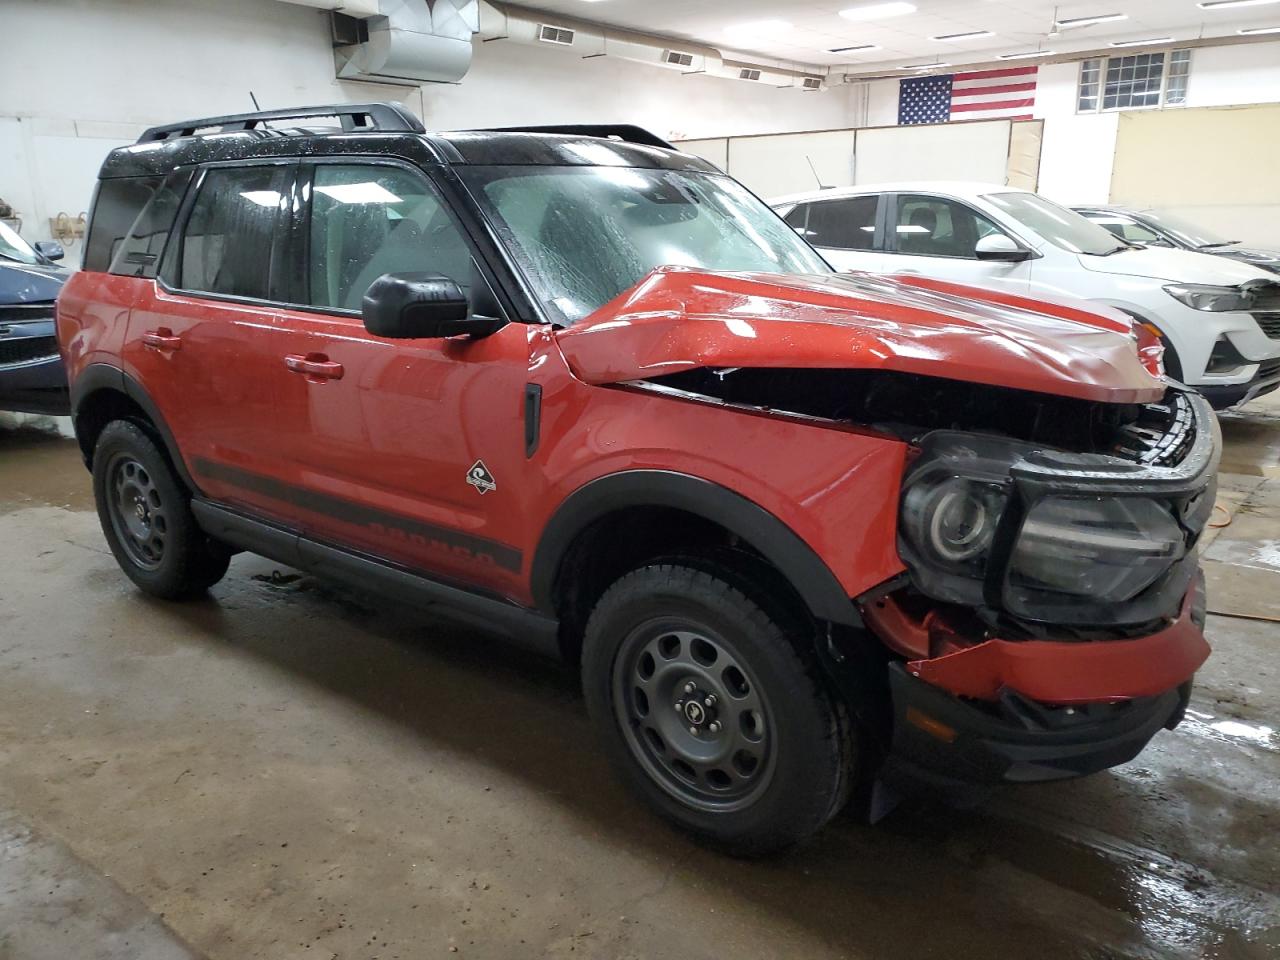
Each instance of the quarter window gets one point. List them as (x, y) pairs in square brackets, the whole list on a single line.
[(227, 244), (115, 208), (1134, 82), (846, 224), (369, 220), (139, 253), (938, 227)]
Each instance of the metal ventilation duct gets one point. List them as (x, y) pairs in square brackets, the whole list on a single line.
[(413, 41)]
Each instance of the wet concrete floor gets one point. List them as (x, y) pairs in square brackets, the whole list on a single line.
[(288, 770)]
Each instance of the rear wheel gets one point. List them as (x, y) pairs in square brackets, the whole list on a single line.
[(711, 710), (146, 517)]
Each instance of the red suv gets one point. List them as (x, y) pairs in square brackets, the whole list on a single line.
[(804, 532)]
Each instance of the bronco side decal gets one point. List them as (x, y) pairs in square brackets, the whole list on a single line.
[(392, 526)]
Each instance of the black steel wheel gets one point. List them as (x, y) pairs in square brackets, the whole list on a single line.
[(714, 710), (146, 516), (693, 714), (137, 510)]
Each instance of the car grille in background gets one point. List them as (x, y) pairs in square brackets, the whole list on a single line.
[(1268, 370), (1270, 324), (19, 312), (25, 349)]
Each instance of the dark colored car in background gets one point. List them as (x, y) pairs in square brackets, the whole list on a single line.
[(1153, 228), (32, 379)]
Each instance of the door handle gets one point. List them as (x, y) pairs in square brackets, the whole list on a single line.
[(314, 366), (162, 339)]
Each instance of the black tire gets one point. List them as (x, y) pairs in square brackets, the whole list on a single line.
[(146, 517), (781, 763)]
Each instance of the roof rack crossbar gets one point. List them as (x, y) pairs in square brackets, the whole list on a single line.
[(354, 117), (622, 131)]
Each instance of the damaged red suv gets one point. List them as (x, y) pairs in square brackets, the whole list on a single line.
[(808, 535)]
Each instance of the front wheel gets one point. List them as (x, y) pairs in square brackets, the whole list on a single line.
[(712, 710)]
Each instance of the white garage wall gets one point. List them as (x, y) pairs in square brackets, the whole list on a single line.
[(78, 77)]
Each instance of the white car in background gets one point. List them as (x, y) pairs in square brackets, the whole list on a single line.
[(1219, 320)]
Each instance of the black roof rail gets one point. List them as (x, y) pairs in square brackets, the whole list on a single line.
[(355, 118), (622, 131)]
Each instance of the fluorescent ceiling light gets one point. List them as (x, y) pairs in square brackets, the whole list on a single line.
[(368, 192), (1141, 43), (860, 48), (1090, 21), (263, 198), (878, 11), (925, 66), (1026, 56), (1227, 4), (1254, 31), (759, 26), (972, 35)]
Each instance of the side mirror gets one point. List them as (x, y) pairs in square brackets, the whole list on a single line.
[(419, 306), (49, 249), (997, 246)]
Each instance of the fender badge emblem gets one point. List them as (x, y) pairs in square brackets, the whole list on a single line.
[(480, 478)]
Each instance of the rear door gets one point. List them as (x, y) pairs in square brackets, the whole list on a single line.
[(199, 339), (848, 231), (936, 236)]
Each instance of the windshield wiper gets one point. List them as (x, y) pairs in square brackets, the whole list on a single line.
[(1220, 243), (10, 256)]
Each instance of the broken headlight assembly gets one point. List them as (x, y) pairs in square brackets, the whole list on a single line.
[(1049, 537)]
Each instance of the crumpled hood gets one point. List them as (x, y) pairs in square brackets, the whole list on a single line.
[(1176, 266), (30, 283), (678, 319)]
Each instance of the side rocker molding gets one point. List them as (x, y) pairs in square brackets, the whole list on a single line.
[(528, 628), (102, 376), (795, 559)]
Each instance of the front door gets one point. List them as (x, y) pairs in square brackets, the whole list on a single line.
[(937, 236), (410, 450)]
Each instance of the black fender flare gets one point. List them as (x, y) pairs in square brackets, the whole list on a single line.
[(808, 574), (103, 376)]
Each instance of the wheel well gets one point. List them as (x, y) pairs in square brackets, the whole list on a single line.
[(628, 538), (99, 408)]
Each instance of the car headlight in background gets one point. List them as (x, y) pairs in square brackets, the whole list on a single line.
[(1210, 298), (1108, 549)]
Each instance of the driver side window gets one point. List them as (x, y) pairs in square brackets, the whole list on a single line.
[(367, 220)]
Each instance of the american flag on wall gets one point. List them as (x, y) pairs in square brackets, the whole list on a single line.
[(1007, 94)]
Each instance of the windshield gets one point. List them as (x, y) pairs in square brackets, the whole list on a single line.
[(1187, 233), (1062, 227), (13, 247), (582, 235)]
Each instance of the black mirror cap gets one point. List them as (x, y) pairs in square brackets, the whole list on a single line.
[(419, 306), (49, 249), (1008, 256)]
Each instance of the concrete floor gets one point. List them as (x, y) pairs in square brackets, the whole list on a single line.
[(286, 770)]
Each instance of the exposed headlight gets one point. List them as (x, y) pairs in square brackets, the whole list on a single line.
[(1106, 549), (1214, 299)]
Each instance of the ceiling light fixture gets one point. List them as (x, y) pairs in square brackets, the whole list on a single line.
[(1228, 4), (859, 48), (925, 66), (1089, 21), (1254, 31), (1141, 43), (971, 35), (878, 11), (1026, 56)]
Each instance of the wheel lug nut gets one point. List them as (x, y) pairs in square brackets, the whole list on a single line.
[(679, 706), (714, 726), (689, 687), (711, 700), (694, 731)]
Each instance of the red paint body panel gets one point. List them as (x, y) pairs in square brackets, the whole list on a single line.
[(678, 319)]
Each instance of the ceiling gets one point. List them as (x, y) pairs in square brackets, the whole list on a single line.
[(802, 32)]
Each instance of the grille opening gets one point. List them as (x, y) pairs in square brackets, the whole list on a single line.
[(26, 349)]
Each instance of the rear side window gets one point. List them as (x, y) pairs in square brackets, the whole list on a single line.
[(115, 208), (847, 224), (227, 243), (139, 253)]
